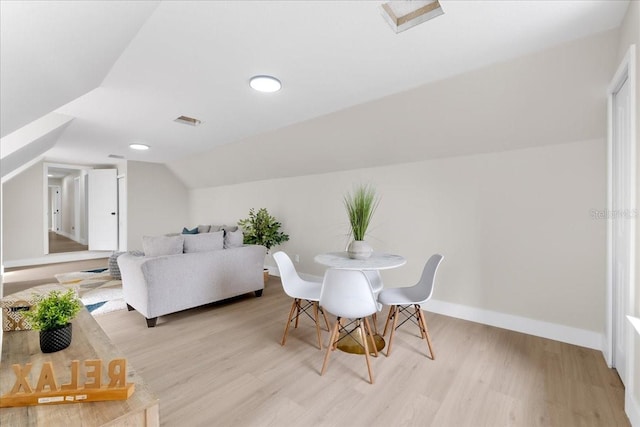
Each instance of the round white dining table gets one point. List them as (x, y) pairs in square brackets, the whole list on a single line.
[(377, 261)]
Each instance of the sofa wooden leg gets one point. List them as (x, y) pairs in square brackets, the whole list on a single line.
[(130, 308), (152, 322), (258, 292)]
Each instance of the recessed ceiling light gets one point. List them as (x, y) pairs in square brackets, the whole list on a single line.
[(265, 83), (138, 146)]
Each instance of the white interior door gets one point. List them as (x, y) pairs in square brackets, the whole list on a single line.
[(103, 209), (122, 213), (622, 217), (56, 202), (76, 209)]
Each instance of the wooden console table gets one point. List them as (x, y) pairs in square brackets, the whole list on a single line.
[(89, 342)]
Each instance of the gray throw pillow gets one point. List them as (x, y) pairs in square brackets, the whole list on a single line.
[(215, 228), (114, 270), (204, 228), (203, 242), (163, 245), (233, 239), (229, 228)]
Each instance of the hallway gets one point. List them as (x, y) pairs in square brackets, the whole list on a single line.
[(59, 244)]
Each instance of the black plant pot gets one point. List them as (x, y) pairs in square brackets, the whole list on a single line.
[(55, 339)]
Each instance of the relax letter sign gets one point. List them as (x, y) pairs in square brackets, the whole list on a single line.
[(86, 384)]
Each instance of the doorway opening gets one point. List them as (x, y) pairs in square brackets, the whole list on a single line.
[(621, 223), (66, 211)]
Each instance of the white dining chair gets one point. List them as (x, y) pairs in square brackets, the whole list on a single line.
[(347, 294), (305, 294), (402, 300), (375, 279)]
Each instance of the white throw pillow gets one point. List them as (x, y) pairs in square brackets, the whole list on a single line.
[(233, 239), (203, 242), (162, 245)]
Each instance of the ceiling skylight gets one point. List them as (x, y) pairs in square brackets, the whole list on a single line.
[(405, 14), (188, 120)]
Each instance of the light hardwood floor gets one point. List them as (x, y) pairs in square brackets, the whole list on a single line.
[(60, 244), (222, 365)]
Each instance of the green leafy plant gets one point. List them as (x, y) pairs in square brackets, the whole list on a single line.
[(54, 310), (360, 205), (260, 228)]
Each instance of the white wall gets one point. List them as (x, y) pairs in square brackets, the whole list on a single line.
[(23, 215), (514, 224), (630, 34), (515, 227), (157, 202)]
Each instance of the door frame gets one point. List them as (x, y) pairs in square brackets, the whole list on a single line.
[(626, 71), (45, 195)]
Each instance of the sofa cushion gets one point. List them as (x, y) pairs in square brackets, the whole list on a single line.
[(233, 239), (162, 245), (229, 228), (185, 230), (214, 228), (203, 242), (204, 229)]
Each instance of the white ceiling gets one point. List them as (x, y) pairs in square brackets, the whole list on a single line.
[(126, 70)]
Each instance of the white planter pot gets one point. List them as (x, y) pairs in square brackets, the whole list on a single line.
[(359, 249)]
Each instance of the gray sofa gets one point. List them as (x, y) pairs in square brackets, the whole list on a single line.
[(159, 285)]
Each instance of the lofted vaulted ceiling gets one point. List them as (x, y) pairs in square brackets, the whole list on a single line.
[(125, 70)]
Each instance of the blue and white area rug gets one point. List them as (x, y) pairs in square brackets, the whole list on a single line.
[(99, 292)]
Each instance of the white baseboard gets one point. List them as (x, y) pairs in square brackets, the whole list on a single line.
[(525, 325), (632, 409), (55, 258)]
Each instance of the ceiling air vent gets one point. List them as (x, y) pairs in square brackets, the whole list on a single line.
[(188, 121), (115, 156), (405, 14)]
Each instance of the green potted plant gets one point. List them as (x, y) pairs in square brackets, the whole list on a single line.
[(360, 206), (261, 228), (52, 315)]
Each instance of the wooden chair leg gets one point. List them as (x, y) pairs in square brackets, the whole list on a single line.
[(374, 319), (371, 336), (366, 348), (297, 312), (389, 316), (426, 333), (286, 328), (326, 321), (315, 318), (393, 329), (333, 337), (418, 316)]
